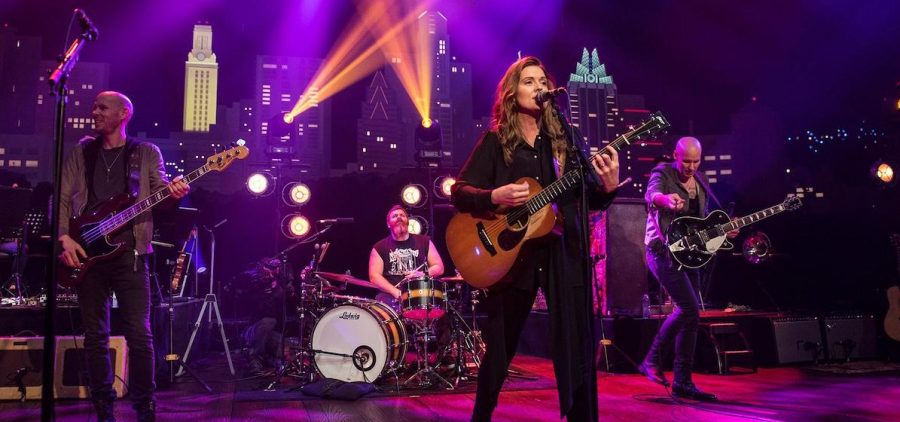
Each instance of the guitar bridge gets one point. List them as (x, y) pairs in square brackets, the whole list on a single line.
[(485, 240)]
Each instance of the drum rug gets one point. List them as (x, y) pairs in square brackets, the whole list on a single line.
[(288, 388)]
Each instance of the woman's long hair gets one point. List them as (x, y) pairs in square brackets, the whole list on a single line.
[(504, 116)]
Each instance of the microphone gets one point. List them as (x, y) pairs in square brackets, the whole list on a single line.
[(90, 31), (543, 96), (348, 220)]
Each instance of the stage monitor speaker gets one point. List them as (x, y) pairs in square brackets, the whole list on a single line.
[(21, 364), (70, 379), (626, 271), (850, 337), (786, 340)]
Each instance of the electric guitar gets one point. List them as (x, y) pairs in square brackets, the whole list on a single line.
[(93, 231), (892, 318), (182, 262), (485, 245), (693, 241)]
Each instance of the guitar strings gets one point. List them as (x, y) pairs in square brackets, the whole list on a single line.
[(112, 223)]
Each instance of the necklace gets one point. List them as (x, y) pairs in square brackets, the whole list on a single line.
[(109, 165)]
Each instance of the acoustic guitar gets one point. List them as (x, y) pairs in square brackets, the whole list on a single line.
[(94, 230), (892, 318), (485, 245)]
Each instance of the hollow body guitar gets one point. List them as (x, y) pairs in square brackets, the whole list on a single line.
[(694, 241), (484, 246), (93, 230)]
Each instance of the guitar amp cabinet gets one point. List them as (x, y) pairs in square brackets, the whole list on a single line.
[(782, 340), (850, 337)]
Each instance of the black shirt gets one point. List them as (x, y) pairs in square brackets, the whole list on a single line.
[(110, 178), (401, 257)]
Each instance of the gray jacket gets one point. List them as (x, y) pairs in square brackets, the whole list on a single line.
[(664, 180), (146, 174)]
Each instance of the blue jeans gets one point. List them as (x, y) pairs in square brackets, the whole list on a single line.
[(128, 277), (682, 324)]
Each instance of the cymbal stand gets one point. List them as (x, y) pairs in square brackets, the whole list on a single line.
[(14, 284)]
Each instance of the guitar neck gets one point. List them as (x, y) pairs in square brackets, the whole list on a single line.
[(564, 183), (122, 218), (752, 218)]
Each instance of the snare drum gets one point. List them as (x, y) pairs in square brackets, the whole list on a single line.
[(358, 341), (423, 298)]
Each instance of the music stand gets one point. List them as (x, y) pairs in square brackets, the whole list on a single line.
[(12, 215)]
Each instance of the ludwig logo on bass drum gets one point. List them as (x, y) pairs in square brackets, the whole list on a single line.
[(349, 315)]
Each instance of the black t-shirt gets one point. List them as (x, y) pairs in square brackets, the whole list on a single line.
[(401, 257), (110, 179)]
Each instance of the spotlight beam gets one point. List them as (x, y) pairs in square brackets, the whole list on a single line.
[(363, 63)]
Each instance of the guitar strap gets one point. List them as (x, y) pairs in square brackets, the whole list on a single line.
[(709, 191), (134, 167)]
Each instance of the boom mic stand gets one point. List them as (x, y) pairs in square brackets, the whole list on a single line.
[(58, 80), (304, 349)]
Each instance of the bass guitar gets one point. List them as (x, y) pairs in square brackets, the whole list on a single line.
[(94, 230), (485, 245), (892, 318), (694, 241)]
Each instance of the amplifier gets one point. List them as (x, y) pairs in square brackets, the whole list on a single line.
[(21, 359), (20, 363), (786, 340), (70, 379), (850, 337)]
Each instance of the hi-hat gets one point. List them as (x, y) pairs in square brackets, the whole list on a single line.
[(345, 278)]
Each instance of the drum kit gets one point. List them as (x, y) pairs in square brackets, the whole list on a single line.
[(421, 341)]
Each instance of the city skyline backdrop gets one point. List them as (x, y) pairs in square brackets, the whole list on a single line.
[(703, 100)]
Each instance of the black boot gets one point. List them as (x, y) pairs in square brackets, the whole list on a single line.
[(146, 410), (104, 409), (653, 373), (690, 391)]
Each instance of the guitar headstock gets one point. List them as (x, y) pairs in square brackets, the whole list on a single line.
[(655, 123), (222, 160), (791, 203)]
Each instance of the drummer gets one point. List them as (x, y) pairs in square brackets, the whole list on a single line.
[(401, 256)]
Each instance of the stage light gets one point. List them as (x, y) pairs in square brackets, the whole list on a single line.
[(295, 226), (260, 184), (413, 195), (296, 194), (428, 141), (417, 225), (280, 125), (882, 173), (443, 185)]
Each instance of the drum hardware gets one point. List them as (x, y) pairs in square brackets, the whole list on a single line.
[(299, 361)]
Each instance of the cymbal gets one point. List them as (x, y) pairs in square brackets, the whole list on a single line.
[(345, 278), (453, 279)]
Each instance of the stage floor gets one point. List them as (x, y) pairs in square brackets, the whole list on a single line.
[(772, 394)]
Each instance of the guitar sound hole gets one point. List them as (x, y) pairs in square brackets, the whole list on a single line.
[(518, 223)]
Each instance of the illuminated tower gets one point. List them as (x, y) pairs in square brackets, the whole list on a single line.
[(201, 74), (593, 103)]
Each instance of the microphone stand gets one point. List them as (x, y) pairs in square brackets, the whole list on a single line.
[(583, 151), (285, 366), (58, 80)]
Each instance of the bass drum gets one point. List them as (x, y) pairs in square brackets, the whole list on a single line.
[(358, 341)]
